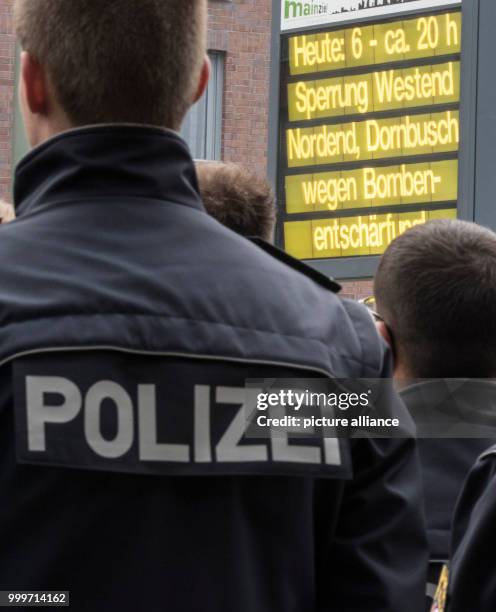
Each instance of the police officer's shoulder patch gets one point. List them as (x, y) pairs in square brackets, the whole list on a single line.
[(136, 413)]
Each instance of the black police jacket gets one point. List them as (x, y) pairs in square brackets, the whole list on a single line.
[(452, 431), (472, 581), (130, 322)]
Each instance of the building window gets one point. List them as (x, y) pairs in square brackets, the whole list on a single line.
[(202, 128), (20, 145)]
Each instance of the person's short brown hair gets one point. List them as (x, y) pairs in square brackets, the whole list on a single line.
[(237, 199), (436, 290), (117, 61)]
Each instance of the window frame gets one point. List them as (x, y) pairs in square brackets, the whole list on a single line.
[(213, 103)]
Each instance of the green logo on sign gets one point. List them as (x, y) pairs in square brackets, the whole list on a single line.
[(294, 9)]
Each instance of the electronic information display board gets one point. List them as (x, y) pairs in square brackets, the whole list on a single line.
[(369, 131)]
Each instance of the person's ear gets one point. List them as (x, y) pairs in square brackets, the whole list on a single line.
[(204, 79), (34, 84), (7, 212), (383, 330)]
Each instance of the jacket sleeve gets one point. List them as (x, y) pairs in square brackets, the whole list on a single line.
[(472, 583), (378, 557)]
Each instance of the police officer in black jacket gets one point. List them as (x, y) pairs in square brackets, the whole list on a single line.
[(472, 580), (130, 322), (453, 428), (435, 290)]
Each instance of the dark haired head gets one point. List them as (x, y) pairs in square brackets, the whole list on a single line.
[(436, 291), (117, 61)]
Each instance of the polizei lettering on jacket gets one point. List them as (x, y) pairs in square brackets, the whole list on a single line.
[(153, 417)]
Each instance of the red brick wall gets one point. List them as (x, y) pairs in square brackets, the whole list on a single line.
[(242, 29), (357, 289), (7, 67)]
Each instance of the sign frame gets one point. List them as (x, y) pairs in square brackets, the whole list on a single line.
[(365, 266), (368, 13)]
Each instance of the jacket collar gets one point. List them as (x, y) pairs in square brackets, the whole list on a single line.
[(460, 400), (107, 161)]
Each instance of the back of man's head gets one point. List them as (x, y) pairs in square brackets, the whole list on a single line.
[(436, 291), (238, 199), (117, 61)]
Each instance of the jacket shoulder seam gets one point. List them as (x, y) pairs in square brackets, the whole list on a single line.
[(320, 341)]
